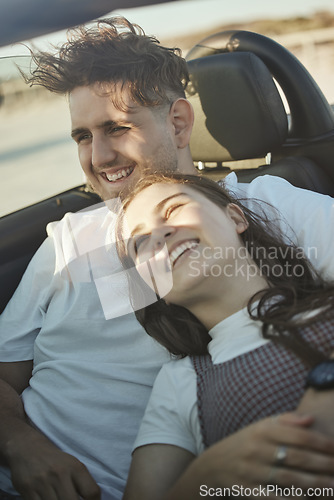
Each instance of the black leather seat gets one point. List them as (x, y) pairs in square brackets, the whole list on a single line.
[(239, 113)]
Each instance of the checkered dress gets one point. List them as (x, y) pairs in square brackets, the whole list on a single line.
[(266, 381)]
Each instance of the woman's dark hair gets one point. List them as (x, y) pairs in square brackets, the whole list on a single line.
[(294, 286), (113, 51)]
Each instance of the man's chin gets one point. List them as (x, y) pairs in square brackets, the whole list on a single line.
[(120, 190)]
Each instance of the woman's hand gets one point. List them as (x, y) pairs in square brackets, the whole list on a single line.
[(319, 404), (280, 451)]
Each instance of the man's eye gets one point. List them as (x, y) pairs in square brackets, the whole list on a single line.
[(117, 130), (170, 210), (83, 137)]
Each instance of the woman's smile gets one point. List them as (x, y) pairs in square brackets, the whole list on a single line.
[(181, 250)]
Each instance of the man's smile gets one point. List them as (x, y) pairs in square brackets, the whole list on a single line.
[(118, 175)]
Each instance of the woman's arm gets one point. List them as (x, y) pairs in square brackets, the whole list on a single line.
[(246, 459), (154, 470), (319, 404)]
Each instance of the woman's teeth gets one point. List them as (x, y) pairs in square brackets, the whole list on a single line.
[(125, 172), (181, 249)]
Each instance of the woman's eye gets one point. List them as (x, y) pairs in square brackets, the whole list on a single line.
[(170, 210), (138, 242)]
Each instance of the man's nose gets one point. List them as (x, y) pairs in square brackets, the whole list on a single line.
[(103, 151)]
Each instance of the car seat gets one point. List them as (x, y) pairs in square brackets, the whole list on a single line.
[(240, 115)]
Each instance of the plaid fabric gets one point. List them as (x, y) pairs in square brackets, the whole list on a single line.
[(266, 381)]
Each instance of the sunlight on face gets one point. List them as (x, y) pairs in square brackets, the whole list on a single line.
[(117, 147), (174, 233)]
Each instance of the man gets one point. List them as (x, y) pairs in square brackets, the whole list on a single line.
[(67, 339)]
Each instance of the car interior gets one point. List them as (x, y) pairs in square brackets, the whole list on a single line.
[(237, 82), (240, 115)]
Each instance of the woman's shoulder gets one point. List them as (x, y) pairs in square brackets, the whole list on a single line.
[(173, 368)]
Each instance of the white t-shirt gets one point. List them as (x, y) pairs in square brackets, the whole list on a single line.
[(94, 366), (92, 376), (171, 416), (307, 218)]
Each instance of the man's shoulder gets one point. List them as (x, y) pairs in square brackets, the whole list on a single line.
[(91, 215), (259, 185), (82, 232), (96, 218)]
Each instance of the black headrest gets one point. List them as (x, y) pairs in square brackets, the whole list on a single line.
[(238, 110)]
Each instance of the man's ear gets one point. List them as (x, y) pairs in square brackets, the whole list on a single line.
[(182, 117), (238, 217)]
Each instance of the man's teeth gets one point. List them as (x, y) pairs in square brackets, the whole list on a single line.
[(118, 175), (178, 251)]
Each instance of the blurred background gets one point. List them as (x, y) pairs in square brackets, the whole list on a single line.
[(37, 157)]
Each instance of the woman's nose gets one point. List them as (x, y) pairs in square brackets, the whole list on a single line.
[(160, 235)]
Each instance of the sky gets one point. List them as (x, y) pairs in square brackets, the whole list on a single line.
[(187, 16)]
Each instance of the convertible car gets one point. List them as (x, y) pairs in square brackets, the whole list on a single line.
[(241, 119)]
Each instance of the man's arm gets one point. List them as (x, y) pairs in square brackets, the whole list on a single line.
[(37, 466)]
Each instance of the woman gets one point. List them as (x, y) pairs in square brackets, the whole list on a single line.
[(243, 311)]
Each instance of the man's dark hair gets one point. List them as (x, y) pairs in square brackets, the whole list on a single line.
[(113, 51)]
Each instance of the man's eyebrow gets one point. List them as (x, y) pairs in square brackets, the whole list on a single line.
[(156, 210), (108, 123)]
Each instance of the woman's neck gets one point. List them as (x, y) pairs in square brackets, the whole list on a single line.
[(231, 297)]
